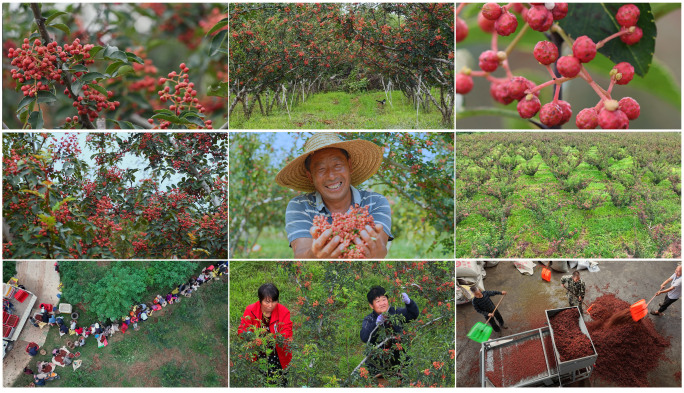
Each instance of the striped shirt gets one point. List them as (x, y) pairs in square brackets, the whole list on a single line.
[(302, 209)]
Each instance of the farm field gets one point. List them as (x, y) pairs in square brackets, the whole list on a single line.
[(576, 195)]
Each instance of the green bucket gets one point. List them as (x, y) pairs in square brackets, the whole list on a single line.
[(480, 332)]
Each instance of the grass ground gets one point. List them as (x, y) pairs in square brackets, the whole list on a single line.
[(184, 344), (340, 110), (603, 230), (273, 245)]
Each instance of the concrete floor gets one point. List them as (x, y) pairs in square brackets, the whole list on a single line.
[(528, 296), (42, 280)]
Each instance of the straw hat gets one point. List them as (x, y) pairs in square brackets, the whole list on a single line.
[(365, 158)]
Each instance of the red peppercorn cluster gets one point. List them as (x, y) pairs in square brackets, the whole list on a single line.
[(93, 101), (183, 97), (608, 113), (348, 227), (36, 61)]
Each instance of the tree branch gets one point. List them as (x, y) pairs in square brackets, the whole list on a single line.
[(66, 75)]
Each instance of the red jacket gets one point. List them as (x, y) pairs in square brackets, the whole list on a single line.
[(280, 323)]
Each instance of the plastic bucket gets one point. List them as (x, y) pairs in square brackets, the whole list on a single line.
[(546, 274)]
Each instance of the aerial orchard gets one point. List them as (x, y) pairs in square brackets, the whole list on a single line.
[(610, 110)]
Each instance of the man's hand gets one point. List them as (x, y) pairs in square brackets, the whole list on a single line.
[(375, 241), (380, 319), (503, 292), (321, 247), (490, 315)]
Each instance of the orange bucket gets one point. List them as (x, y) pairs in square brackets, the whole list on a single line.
[(546, 274), (638, 310)]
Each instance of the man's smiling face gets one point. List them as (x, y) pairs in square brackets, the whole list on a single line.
[(330, 173)]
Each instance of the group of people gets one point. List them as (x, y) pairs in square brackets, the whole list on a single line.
[(100, 331), (576, 289), (268, 316)]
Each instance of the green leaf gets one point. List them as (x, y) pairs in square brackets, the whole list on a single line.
[(133, 57), (125, 69), (76, 87), (49, 220), (172, 118), (36, 120), (100, 89), (117, 55), (51, 15), (95, 51), (47, 97), (194, 119), (220, 90), (217, 41), (111, 69), (92, 76), (79, 68), (108, 50), (222, 23), (33, 192), (597, 21), (125, 125), (165, 111), (58, 205), (24, 102), (61, 26)]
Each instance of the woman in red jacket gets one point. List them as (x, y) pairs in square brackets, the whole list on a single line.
[(269, 316)]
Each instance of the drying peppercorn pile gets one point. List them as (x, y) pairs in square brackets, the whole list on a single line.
[(626, 351), (514, 363), (570, 341)]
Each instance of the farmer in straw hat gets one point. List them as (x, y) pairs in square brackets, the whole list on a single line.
[(328, 171)]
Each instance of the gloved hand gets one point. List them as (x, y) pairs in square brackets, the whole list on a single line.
[(380, 319), (405, 298)]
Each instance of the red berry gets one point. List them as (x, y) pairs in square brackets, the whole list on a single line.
[(461, 30), (499, 91), (485, 24), (559, 11), (568, 66), (625, 72), (531, 85), (546, 52), (528, 106), (182, 65), (551, 114), (464, 83), (567, 111), (491, 11), (632, 38), (516, 87), (630, 107), (627, 15), (584, 49), (611, 117), (587, 119), (539, 18), (489, 61), (151, 121), (506, 24)]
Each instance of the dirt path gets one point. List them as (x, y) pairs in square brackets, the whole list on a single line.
[(40, 278)]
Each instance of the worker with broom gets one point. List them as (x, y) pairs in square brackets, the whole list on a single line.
[(482, 303), (575, 287), (673, 292)]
